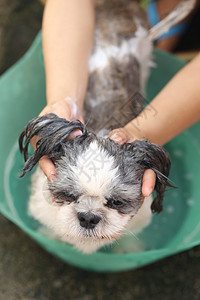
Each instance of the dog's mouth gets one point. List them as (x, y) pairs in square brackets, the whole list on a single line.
[(92, 235), (97, 238)]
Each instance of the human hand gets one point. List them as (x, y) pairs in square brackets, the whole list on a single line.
[(68, 110), (121, 136)]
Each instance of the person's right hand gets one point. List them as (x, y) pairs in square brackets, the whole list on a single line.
[(121, 136), (68, 110)]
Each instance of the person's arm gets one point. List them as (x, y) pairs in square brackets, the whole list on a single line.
[(67, 38), (173, 110)]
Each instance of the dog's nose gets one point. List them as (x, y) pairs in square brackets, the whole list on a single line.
[(88, 220)]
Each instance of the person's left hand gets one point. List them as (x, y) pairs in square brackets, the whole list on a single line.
[(121, 136), (68, 110)]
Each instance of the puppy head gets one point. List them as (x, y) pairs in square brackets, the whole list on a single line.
[(98, 183)]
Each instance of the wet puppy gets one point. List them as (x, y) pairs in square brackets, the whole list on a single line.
[(97, 189)]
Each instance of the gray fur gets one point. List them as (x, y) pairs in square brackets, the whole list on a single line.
[(131, 159), (114, 89)]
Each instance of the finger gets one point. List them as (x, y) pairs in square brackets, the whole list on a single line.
[(74, 134), (149, 181), (48, 168), (118, 136), (81, 119), (34, 141)]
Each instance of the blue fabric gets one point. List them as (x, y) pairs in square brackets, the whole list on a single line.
[(175, 30), (152, 13)]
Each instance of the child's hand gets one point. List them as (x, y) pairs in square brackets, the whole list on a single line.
[(68, 110), (121, 136)]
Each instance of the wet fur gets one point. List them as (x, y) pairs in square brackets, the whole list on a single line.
[(137, 156)]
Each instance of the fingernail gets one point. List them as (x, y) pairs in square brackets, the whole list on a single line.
[(116, 138), (76, 133), (147, 194), (148, 191), (51, 177)]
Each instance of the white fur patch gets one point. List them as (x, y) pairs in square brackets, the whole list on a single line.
[(94, 170), (143, 217)]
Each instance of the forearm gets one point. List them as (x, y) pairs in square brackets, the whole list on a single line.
[(174, 109), (68, 28)]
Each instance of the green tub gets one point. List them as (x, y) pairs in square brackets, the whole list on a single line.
[(22, 96)]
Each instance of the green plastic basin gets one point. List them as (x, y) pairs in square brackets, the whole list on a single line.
[(22, 96)]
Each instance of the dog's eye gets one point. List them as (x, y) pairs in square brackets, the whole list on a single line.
[(112, 203), (65, 197), (69, 197), (59, 202), (117, 203)]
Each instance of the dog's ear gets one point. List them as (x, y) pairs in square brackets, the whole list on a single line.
[(52, 133), (152, 156)]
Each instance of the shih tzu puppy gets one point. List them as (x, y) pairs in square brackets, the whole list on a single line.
[(97, 188), (96, 195)]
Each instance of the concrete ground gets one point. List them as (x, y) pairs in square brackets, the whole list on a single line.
[(29, 272)]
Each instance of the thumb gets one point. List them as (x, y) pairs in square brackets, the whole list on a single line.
[(48, 167), (119, 136)]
